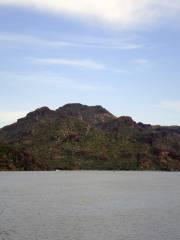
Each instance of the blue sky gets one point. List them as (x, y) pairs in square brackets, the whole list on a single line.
[(122, 55)]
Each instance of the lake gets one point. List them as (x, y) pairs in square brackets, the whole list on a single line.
[(90, 205)]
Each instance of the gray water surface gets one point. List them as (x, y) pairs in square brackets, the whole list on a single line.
[(89, 205)]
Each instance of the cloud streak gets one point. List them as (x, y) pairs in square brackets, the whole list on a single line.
[(119, 12), (112, 44), (84, 64), (26, 39), (140, 61), (78, 63)]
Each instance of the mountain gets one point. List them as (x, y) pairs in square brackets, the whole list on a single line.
[(77, 136)]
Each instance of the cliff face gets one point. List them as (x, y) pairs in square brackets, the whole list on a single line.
[(76, 136)]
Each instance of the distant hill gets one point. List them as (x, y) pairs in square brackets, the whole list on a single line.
[(77, 136)]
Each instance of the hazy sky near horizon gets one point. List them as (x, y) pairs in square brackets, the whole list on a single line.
[(123, 55)]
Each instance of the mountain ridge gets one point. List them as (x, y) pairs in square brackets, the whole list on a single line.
[(77, 136)]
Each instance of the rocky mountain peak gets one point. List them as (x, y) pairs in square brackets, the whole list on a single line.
[(40, 112), (91, 114)]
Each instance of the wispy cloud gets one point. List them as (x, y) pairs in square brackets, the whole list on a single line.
[(141, 61), (79, 63), (121, 71), (83, 63), (84, 42), (27, 39), (122, 13)]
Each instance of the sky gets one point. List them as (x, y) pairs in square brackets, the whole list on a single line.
[(123, 55)]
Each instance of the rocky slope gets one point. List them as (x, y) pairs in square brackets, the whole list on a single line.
[(77, 136)]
